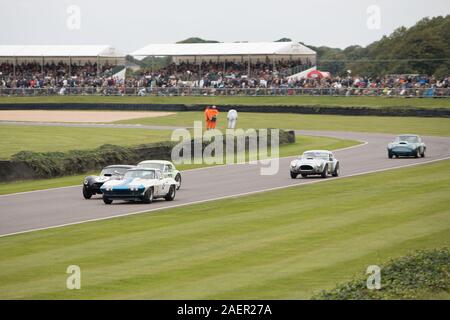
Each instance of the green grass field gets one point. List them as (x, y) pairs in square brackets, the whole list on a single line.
[(286, 244), (374, 102), (393, 125), (45, 139), (302, 143)]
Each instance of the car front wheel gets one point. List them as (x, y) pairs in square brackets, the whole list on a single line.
[(87, 193), (336, 171), (178, 180), (294, 175), (171, 195), (148, 196), (324, 172), (106, 200)]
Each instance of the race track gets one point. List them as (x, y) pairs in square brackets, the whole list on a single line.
[(57, 207)]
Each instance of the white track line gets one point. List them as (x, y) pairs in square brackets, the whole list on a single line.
[(33, 191), (223, 197), (363, 143)]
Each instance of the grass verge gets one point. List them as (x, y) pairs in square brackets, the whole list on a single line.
[(60, 139), (393, 125), (286, 244), (373, 102)]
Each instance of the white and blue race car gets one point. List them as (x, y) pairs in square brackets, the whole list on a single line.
[(139, 184)]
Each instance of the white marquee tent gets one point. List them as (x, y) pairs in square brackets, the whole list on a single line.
[(77, 54), (237, 51)]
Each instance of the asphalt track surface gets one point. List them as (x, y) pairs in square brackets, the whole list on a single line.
[(50, 208)]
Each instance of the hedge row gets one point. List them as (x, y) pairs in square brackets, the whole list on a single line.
[(56, 164), (410, 277), (34, 165)]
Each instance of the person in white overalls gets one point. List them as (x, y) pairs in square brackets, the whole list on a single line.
[(232, 117)]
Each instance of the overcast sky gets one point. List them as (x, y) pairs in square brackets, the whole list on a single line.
[(131, 24)]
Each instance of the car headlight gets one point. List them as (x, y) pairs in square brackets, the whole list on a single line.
[(86, 182)]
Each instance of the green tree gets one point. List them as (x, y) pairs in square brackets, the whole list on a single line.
[(423, 49), (197, 40)]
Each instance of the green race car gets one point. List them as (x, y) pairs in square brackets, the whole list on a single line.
[(407, 145)]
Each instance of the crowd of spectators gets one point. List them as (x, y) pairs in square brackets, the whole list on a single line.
[(89, 79), (51, 75), (218, 74)]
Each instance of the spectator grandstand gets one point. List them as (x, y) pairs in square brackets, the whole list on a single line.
[(195, 69), (55, 67)]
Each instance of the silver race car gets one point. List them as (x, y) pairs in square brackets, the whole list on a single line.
[(167, 168), (315, 162)]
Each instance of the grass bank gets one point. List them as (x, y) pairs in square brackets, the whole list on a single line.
[(373, 102), (60, 139), (392, 125)]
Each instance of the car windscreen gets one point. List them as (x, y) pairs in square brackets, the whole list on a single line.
[(316, 155), (159, 166), (113, 171), (142, 174), (410, 139)]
